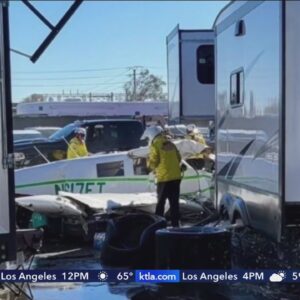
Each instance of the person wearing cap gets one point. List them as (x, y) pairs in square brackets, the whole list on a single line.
[(164, 160), (203, 159), (77, 146), (194, 134)]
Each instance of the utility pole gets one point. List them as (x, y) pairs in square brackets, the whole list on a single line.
[(134, 84)]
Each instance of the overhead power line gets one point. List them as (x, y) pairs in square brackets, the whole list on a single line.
[(66, 85), (68, 71), (66, 78), (110, 81), (82, 70)]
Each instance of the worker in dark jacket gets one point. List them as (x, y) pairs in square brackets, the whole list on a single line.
[(164, 159)]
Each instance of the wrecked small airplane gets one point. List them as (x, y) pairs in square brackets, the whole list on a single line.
[(85, 214), (81, 205), (118, 172)]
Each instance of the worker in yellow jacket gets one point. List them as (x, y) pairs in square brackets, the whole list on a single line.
[(194, 134), (77, 146), (164, 159)]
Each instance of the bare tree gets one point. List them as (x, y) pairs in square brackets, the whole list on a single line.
[(144, 85)]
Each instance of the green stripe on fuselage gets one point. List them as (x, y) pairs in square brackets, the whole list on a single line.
[(103, 179)]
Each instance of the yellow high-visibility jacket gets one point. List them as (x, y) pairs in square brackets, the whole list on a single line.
[(76, 149), (164, 159), (197, 138)]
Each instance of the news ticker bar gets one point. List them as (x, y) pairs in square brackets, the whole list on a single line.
[(151, 276)]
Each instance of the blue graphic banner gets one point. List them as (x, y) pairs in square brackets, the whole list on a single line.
[(151, 276)]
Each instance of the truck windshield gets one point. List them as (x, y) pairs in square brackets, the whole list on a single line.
[(64, 132)]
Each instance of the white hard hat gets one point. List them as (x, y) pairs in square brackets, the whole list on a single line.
[(196, 130), (80, 130), (151, 132), (192, 128)]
